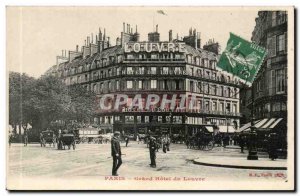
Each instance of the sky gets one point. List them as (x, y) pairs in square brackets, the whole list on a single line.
[(36, 35)]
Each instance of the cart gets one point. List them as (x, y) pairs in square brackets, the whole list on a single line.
[(67, 140), (48, 137)]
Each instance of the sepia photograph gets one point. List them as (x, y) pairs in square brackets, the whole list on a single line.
[(150, 98)]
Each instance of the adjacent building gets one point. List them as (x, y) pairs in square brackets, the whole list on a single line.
[(270, 85)]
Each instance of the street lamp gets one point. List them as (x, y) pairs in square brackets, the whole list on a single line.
[(252, 151)]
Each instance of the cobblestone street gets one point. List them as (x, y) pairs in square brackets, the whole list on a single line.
[(93, 160)]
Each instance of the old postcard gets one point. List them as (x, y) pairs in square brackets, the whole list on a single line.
[(150, 98)]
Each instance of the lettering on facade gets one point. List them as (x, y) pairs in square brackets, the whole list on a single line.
[(154, 47)]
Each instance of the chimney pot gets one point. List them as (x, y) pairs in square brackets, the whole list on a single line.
[(76, 48)]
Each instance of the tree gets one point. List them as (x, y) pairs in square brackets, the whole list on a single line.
[(20, 86), (50, 101), (45, 101), (82, 103)]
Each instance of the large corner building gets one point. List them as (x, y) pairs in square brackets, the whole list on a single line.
[(128, 68)]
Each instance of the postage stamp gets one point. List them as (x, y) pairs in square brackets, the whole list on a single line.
[(150, 98)]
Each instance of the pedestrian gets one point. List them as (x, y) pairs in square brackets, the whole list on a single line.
[(116, 153), (25, 138), (10, 138), (127, 140), (168, 142), (273, 142), (42, 139), (164, 144), (242, 143), (152, 150), (59, 145), (138, 139)]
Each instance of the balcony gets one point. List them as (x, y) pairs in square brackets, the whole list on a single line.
[(149, 60)]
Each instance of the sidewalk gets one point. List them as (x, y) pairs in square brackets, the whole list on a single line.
[(235, 159)]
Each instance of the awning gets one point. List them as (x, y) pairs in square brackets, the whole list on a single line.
[(223, 129), (210, 129), (246, 126), (265, 123)]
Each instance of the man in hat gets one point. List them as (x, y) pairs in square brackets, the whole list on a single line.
[(116, 153), (152, 150)]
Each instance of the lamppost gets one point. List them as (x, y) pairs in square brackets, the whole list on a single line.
[(252, 151)]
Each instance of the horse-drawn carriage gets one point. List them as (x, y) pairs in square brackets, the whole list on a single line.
[(66, 139), (47, 137), (201, 141)]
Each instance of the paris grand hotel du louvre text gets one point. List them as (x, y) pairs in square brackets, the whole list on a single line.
[(179, 66)]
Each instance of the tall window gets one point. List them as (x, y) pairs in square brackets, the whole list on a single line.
[(141, 70), (165, 70), (117, 85), (118, 71), (214, 106), (280, 43), (206, 106), (153, 84), (101, 87), (129, 70), (221, 107), (280, 80), (109, 86), (234, 108), (129, 84), (154, 56), (94, 88), (213, 89), (140, 84), (229, 92), (165, 85), (153, 70), (191, 86), (177, 87), (177, 70)]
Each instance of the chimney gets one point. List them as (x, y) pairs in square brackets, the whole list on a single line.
[(96, 39), (62, 52), (118, 42), (123, 27), (131, 31), (65, 53), (76, 48), (129, 28), (104, 35), (108, 39), (170, 36), (156, 28), (100, 35), (195, 41), (92, 36)]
